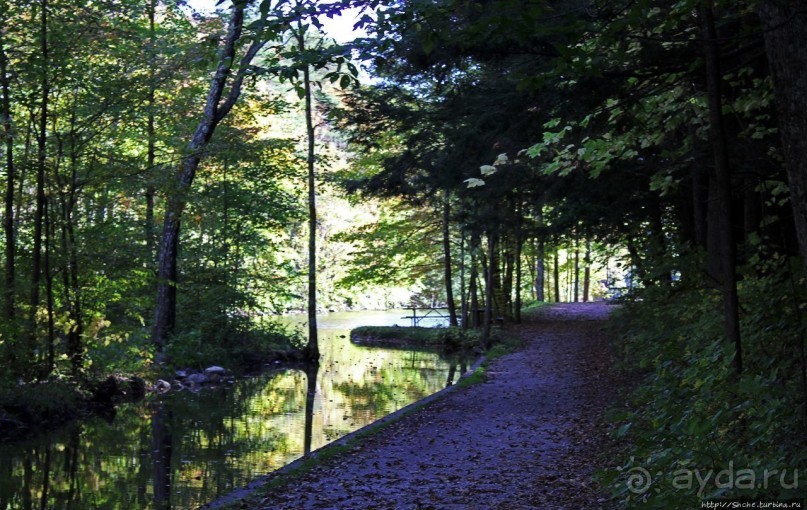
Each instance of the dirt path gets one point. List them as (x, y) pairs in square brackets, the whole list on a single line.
[(523, 439)]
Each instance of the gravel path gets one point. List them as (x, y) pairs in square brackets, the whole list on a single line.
[(526, 438)]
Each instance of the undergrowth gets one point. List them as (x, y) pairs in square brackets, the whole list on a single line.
[(237, 348), (696, 429)]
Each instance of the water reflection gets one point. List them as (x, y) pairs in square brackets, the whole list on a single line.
[(185, 449)]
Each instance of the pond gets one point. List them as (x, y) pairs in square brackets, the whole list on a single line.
[(185, 449)]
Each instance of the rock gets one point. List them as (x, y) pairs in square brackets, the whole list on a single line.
[(215, 370), (181, 374), (162, 386), (196, 379)]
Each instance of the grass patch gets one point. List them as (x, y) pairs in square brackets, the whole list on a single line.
[(478, 376), (533, 305)]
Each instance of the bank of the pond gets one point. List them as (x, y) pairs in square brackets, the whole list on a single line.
[(531, 436), (28, 409), (444, 339)]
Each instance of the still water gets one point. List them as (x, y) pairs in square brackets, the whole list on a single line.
[(185, 449)]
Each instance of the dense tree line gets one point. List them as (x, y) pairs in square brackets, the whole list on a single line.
[(661, 130), (122, 121)]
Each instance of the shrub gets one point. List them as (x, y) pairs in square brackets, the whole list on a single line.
[(692, 415)]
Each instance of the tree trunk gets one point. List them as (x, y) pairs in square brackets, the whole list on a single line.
[(71, 282), (473, 291), (517, 307), (8, 220), (785, 23), (489, 289), (215, 110), (540, 269), (576, 270), (587, 272), (452, 308), (312, 349), (719, 144), (49, 301), (556, 273), (151, 137), (463, 297), (39, 214), (506, 294)]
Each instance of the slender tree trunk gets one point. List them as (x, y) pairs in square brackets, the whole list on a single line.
[(49, 301), (9, 308), (540, 269), (473, 291), (576, 270), (67, 192), (71, 283), (587, 272), (489, 289), (215, 110), (312, 349), (506, 301), (785, 23), (452, 307), (463, 297), (517, 307), (717, 137), (39, 214), (30, 127), (150, 135), (556, 273)]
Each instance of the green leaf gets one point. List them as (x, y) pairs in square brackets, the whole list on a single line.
[(344, 82)]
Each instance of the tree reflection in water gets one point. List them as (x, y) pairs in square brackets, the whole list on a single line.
[(185, 449)]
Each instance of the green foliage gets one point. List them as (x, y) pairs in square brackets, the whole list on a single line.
[(692, 412), (533, 305), (234, 342), (38, 406)]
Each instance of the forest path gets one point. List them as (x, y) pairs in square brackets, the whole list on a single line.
[(526, 438)]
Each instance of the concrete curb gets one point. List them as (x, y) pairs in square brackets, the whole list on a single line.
[(253, 486)]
